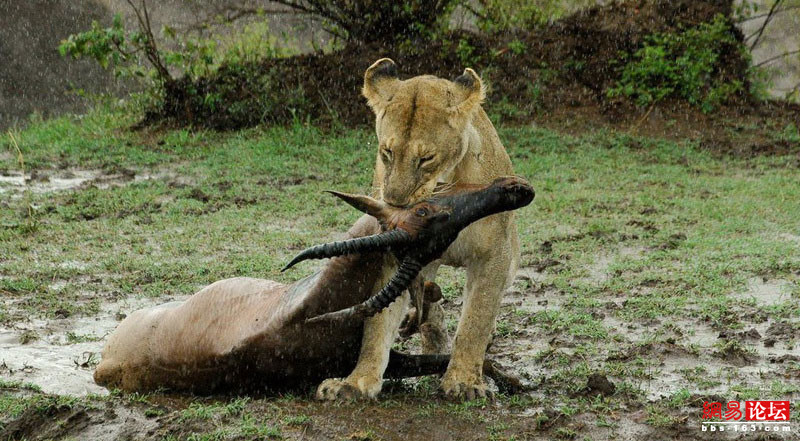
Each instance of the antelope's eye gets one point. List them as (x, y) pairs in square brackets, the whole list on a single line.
[(421, 212)]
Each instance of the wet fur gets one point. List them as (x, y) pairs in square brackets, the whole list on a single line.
[(245, 333), (418, 118)]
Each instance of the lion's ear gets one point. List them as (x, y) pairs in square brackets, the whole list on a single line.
[(380, 83), (473, 93)]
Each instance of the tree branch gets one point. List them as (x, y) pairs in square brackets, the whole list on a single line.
[(150, 49), (231, 14), (756, 17), (778, 57), (124, 53), (767, 20)]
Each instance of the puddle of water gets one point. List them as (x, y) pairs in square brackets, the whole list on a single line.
[(74, 264), (17, 182), (766, 292), (54, 363), (50, 181), (668, 377), (699, 334), (789, 237), (598, 271)]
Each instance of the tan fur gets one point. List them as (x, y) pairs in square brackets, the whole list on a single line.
[(433, 131)]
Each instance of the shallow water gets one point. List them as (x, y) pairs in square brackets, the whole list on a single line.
[(62, 359), (47, 181), (17, 182)]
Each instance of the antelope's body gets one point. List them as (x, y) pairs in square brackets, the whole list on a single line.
[(246, 333)]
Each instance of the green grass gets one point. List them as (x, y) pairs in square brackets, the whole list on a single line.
[(199, 410), (13, 405), (664, 230), (241, 203), (244, 203)]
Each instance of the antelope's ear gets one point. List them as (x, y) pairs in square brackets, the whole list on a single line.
[(471, 92), (380, 83), (373, 207)]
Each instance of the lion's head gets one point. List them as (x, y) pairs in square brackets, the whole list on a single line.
[(423, 127)]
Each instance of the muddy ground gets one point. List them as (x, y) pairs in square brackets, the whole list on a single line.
[(58, 354), (660, 261), (654, 277)]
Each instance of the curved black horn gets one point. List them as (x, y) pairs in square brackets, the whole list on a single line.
[(366, 244), (400, 281)]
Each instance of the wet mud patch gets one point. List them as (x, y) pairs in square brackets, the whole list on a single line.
[(59, 355), (636, 368), (163, 416), (789, 237), (784, 330), (51, 417), (15, 183), (568, 338), (599, 270), (765, 292)]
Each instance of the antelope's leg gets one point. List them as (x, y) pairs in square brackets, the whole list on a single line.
[(413, 319), (366, 379), (433, 331)]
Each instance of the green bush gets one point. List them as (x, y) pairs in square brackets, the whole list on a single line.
[(368, 21), (253, 96), (118, 49), (508, 15), (170, 73), (680, 65), (502, 15)]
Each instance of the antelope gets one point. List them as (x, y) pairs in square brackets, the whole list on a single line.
[(249, 334)]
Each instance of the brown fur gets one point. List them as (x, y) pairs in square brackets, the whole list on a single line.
[(245, 332)]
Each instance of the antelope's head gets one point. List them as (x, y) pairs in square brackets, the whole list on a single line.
[(419, 233)]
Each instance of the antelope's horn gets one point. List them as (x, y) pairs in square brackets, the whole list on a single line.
[(400, 282), (376, 242)]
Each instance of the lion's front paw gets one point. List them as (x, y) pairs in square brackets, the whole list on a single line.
[(464, 390), (345, 389)]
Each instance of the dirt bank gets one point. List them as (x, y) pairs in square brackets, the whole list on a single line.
[(556, 76)]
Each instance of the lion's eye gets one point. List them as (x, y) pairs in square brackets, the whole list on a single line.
[(386, 154), (421, 212), (425, 160)]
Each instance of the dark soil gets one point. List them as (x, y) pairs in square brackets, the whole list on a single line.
[(559, 79), (161, 417)]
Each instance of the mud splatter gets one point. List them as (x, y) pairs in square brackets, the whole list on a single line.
[(61, 355)]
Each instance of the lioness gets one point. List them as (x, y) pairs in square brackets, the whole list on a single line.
[(432, 131)]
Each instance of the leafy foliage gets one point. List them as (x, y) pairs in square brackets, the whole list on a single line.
[(170, 72), (508, 15), (383, 21), (112, 47), (682, 65), (244, 94), (502, 15)]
